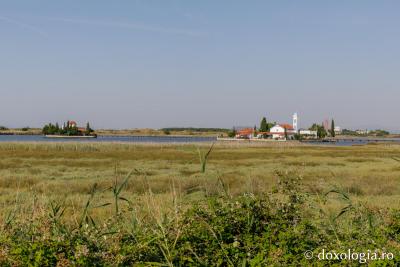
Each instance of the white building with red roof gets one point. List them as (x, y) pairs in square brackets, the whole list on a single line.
[(246, 133), (282, 131), (72, 124)]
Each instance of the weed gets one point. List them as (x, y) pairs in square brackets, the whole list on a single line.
[(204, 158)]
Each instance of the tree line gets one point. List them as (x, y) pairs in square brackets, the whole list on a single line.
[(67, 129)]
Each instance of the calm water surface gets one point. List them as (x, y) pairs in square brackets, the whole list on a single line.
[(165, 139), (355, 142)]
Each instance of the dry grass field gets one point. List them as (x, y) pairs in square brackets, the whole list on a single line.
[(370, 174), (166, 177)]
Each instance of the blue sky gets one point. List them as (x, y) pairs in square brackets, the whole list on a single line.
[(133, 64)]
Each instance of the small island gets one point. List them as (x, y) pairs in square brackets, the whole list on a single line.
[(69, 129)]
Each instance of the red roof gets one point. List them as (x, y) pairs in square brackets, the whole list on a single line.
[(246, 131), (286, 126)]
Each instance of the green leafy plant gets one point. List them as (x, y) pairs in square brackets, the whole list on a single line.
[(86, 217), (224, 229), (117, 188)]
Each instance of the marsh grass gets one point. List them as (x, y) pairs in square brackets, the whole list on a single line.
[(71, 169), (139, 194)]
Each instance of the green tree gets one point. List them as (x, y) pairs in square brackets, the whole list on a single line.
[(314, 127), (88, 129), (264, 125), (333, 128), (321, 132), (45, 129), (232, 133)]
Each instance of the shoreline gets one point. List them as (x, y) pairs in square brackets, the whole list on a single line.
[(156, 133), (69, 136), (206, 132), (113, 135)]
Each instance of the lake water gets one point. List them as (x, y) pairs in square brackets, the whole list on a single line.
[(353, 142), (166, 139), (128, 139)]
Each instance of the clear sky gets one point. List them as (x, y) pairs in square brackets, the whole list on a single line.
[(134, 64)]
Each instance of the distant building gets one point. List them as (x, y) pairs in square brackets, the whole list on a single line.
[(338, 130), (245, 133), (362, 132), (308, 134), (72, 124), (280, 131)]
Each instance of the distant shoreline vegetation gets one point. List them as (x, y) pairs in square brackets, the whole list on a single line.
[(377, 132), (70, 128), (194, 130), (51, 129)]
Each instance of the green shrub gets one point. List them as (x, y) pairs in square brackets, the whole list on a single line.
[(274, 229)]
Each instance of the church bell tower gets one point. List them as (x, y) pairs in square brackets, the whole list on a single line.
[(295, 122)]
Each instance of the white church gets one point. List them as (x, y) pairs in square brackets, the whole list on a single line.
[(284, 131)]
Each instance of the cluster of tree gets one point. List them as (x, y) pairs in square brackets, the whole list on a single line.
[(232, 133), (66, 129), (377, 132), (333, 134), (322, 132), (350, 132), (166, 131), (24, 129), (320, 129), (265, 126)]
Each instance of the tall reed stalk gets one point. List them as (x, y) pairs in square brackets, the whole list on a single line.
[(204, 158)]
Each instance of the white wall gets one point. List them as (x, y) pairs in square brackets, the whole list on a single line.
[(277, 129)]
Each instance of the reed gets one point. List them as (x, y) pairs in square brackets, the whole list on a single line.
[(204, 157), (120, 204)]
